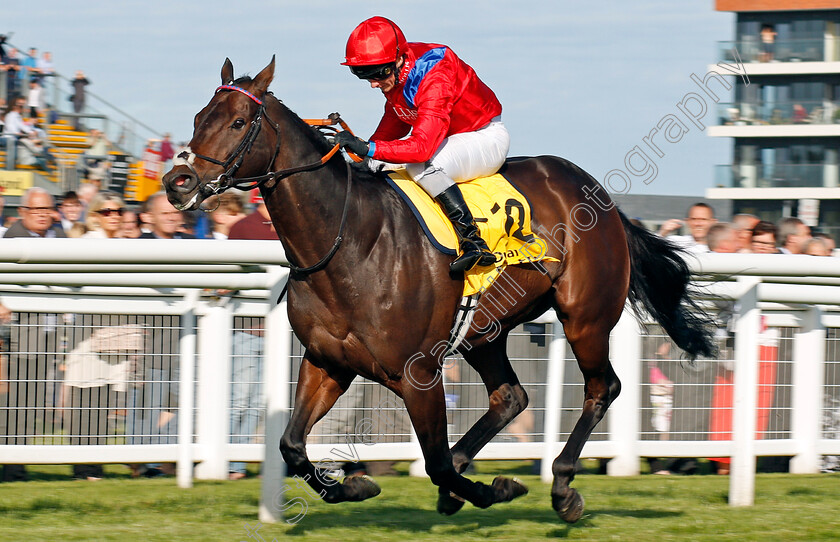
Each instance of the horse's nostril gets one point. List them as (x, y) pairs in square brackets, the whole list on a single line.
[(180, 182)]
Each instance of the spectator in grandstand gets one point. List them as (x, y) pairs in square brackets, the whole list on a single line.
[(167, 151), (43, 141), (45, 65), (800, 114), (35, 99), (792, 235), (699, 219), (676, 394), (104, 219), (722, 238), (764, 238), (743, 225), (131, 224), (816, 246), (37, 212), (194, 223), (86, 192), (94, 161), (143, 217), (95, 379), (165, 220), (725, 334), (79, 97), (256, 225), (768, 43), (29, 64), (31, 146), (246, 401), (70, 210), (829, 241), (229, 212), (11, 65), (152, 400)]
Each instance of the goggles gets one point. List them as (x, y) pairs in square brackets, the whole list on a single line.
[(374, 73)]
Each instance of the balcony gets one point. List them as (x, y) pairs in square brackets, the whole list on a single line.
[(776, 175), (778, 119), (779, 113), (750, 49)]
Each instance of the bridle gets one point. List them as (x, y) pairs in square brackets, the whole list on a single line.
[(236, 157), (234, 161)]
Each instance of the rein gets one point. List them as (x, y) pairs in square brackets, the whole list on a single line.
[(233, 162)]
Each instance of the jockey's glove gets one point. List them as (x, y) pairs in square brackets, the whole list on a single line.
[(356, 145)]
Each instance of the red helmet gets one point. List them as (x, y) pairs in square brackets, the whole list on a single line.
[(376, 41)]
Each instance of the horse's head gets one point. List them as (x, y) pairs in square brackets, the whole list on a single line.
[(229, 141)]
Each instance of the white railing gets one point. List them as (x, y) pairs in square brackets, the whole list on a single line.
[(177, 278)]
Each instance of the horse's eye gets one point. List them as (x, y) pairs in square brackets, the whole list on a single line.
[(238, 123)]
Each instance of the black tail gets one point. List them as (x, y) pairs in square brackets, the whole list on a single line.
[(659, 279)]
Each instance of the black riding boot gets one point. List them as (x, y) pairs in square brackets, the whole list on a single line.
[(474, 251)]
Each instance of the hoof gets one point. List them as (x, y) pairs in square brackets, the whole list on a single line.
[(359, 488), (508, 489), (449, 503), (568, 507)]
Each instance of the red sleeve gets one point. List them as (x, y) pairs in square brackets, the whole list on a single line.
[(434, 108), (390, 127)]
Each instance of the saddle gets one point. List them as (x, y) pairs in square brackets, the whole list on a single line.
[(502, 214)]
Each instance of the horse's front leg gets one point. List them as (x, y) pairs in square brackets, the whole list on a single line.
[(424, 400), (318, 389)]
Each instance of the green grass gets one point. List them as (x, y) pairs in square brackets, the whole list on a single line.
[(658, 508)]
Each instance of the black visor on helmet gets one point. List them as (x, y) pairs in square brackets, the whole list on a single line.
[(374, 73)]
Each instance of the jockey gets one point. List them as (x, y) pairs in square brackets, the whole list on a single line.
[(454, 120)]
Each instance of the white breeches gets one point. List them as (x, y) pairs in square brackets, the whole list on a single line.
[(462, 157)]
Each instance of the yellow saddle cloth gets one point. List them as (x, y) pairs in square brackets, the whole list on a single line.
[(501, 212)]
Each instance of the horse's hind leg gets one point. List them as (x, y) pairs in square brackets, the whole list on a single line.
[(590, 343), (507, 400), (318, 389), (424, 401)]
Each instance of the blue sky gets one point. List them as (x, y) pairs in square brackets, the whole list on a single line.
[(585, 81)]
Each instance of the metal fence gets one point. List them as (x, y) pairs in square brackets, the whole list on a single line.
[(138, 361)]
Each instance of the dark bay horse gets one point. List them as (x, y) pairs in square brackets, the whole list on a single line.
[(377, 299)]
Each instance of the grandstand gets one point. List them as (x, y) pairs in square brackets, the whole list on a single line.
[(128, 139)]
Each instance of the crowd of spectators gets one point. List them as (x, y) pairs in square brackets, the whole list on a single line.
[(22, 68), (23, 104), (745, 234), (93, 213), (149, 408)]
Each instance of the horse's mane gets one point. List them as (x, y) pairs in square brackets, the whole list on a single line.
[(364, 178), (313, 134)]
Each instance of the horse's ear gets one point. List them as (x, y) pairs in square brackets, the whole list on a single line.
[(227, 72), (263, 79)]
